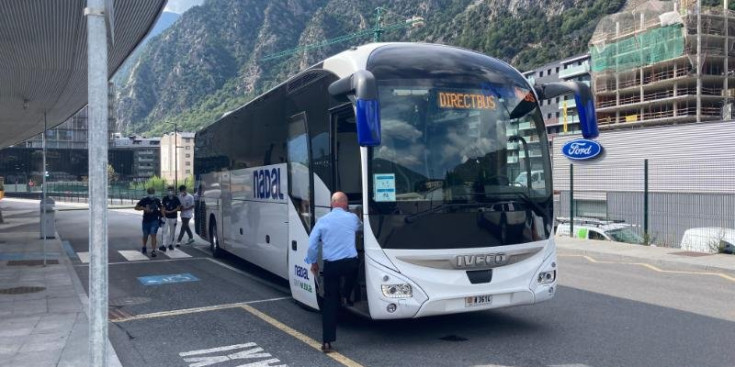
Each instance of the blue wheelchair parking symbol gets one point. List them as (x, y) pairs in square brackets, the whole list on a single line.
[(167, 279)]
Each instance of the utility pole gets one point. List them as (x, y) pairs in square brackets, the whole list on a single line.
[(176, 154)]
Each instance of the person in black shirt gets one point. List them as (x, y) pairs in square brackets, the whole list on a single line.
[(171, 207), (151, 207)]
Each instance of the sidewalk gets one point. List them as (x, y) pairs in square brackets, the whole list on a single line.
[(652, 255), (43, 310)]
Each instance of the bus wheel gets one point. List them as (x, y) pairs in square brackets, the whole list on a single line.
[(214, 240)]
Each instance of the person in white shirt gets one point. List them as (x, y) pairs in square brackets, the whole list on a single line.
[(187, 212)]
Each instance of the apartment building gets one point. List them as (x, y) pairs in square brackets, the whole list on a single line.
[(177, 156), (145, 154)]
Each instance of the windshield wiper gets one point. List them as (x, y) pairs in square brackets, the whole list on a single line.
[(526, 199)]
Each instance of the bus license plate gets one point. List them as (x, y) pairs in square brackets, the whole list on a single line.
[(478, 301)]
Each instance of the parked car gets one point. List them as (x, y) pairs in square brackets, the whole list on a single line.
[(602, 230), (709, 240)]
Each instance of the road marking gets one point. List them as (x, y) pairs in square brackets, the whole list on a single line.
[(214, 350), (654, 268), (167, 279), (254, 351), (133, 255), (83, 257), (141, 262), (176, 254), (187, 311), (250, 276), (307, 340)]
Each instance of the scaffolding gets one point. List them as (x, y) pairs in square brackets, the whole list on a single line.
[(663, 61)]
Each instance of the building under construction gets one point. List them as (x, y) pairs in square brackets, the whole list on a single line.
[(664, 62)]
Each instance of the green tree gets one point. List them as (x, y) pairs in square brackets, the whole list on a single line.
[(111, 174), (157, 183)]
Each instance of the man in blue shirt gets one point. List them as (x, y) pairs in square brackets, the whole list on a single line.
[(336, 231)]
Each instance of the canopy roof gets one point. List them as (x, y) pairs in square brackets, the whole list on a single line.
[(43, 58)]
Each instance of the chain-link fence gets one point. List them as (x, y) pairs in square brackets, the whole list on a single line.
[(657, 201)]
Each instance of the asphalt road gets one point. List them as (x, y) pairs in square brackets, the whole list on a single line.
[(233, 314)]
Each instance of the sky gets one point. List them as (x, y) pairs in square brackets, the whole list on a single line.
[(180, 6)]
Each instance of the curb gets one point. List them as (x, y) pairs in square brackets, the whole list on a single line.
[(112, 357)]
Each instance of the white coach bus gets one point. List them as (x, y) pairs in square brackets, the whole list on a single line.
[(425, 141)]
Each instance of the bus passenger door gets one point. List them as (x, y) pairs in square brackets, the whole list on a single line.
[(300, 211), (348, 179)]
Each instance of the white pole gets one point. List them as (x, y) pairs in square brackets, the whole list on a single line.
[(43, 190), (98, 114)]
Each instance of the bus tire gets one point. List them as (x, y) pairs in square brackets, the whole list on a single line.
[(214, 245)]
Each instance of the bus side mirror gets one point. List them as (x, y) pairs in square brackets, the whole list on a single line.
[(367, 107), (583, 98)]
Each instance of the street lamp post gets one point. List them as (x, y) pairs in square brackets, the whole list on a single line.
[(176, 153)]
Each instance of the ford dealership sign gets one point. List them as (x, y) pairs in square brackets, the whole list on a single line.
[(581, 149)]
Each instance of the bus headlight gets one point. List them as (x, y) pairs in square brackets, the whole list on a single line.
[(397, 290), (546, 277)]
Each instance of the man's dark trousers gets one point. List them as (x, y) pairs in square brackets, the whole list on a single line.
[(333, 272)]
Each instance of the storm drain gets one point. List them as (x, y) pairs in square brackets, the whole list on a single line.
[(128, 301), (691, 253), (21, 290), (31, 262), (453, 338)]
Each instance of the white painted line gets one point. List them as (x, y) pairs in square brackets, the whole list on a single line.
[(133, 255), (212, 350), (254, 352), (187, 311), (140, 262), (83, 257), (251, 276), (176, 254)]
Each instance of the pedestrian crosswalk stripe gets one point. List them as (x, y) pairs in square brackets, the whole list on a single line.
[(133, 255), (176, 254)]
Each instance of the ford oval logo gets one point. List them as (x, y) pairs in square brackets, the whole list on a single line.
[(581, 149)]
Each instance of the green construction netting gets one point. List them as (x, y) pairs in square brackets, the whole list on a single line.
[(646, 48)]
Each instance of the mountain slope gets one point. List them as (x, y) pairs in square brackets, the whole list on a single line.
[(210, 62)]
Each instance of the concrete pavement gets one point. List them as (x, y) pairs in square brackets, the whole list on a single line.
[(43, 310)]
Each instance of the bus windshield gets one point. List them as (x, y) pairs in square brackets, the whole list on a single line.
[(458, 144)]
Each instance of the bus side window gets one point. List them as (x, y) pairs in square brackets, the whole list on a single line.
[(298, 168), (348, 175)]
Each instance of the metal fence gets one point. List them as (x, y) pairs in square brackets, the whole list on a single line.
[(659, 200), (119, 192)]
